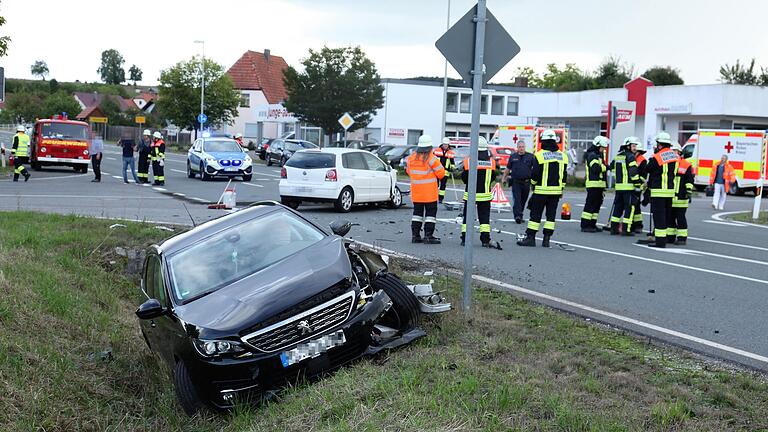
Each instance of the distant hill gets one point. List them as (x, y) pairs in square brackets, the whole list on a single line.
[(17, 85)]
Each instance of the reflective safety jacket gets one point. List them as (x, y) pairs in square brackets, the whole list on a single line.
[(20, 145), (158, 150), (424, 174), (549, 172), (683, 184), (595, 169), (642, 166), (662, 169), (446, 157), (728, 175), (486, 171), (625, 168)]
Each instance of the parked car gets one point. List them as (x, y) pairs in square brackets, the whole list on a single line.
[(344, 177), (353, 143), (218, 157), (371, 147), (261, 149), (501, 154), (397, 153), (259, 298), (281, 150), (382, 150)]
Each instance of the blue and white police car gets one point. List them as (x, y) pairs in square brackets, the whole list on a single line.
[(218, 157)]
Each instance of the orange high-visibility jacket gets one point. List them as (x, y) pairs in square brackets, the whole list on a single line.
[(424, 177), (728, 175)]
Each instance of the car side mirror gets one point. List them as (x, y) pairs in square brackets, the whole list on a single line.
[(341, 227), (389, 168), (150, 309)]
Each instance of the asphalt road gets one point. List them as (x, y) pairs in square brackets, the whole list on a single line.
[(710, 296)]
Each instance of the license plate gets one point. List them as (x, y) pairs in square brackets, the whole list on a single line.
[(304, 189), (230, 169), (312, 348)]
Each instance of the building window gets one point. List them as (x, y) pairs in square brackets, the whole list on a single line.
[(484, 104), (466, 103), (497, 105), (245, 100), (512, 105), (452, 104)]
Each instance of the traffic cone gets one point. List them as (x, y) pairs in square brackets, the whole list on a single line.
[(566, 213)]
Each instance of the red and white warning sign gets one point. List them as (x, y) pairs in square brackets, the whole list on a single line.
[(498, 199)]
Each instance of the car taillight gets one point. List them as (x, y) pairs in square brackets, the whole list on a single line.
[(330, 175), (283, 173)]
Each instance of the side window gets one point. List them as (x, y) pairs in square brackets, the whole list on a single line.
[(374, 164), (198, 145), (154, 284), (353, 160), (148, 281)]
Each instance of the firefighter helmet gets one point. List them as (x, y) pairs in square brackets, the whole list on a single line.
[(482, 143), (549, 135), (147, 132), (446, 140), (157, 135), (640, 147), (600, 141), (20, 128), (238, 135), (663, 138), (676, 146), (628, 141), (425, 144)]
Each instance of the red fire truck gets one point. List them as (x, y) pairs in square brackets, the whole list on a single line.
[(62, 142)]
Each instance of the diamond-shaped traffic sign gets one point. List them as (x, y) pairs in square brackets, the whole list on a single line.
[(346, 121), (458, 46)]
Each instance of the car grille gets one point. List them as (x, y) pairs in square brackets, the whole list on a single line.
[(303, 326)]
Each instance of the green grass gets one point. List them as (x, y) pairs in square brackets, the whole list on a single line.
[(513, 366), (762, 217)]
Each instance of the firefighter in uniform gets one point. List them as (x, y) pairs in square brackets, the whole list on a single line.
[(145, 146), (683, 190), (158, 159), (662, 169), (627, 177), (20, 153), (595, 183), (486, 171), (446, 156), (425, 171), (549, 175), (638, 148)]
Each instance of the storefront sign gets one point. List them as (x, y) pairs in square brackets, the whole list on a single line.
[(396, 133), (673, 109), (621, 124), (274, 113)]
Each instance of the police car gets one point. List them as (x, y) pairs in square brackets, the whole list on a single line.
[(218, 157)]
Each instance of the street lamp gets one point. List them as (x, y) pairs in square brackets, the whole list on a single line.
[(445, 77), (202, 84)]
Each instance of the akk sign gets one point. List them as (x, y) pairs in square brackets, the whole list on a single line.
[(621, 124), (274, 113)]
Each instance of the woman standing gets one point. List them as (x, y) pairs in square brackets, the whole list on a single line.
[(425, 171)]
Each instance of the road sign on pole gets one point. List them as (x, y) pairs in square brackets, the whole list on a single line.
[(140, 119), (346, 122), (202, 118), (477, 46)]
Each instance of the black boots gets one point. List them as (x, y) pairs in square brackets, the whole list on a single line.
[(431, 240), (681, 241), (545, 242), (417, 239), (529, 240), (614, 228)]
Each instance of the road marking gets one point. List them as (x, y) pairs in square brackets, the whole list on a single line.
[(727, 243), (159, 189), (736, 224), (199, 199), (179, 194), (57, 178), (111, 158), (79, 196), (261, 179), (265, 174), (719, 217), (178, 171), (277, 171), (117, 177), (251, 184), (699, 253)]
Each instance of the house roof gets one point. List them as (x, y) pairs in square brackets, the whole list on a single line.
[(92, 101), (260, 71), (89, 111)]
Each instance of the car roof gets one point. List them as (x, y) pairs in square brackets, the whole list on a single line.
[(334, 150)]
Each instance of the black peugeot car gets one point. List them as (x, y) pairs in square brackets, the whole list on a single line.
[(242, 304)]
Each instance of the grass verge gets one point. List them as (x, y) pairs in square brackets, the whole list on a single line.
[(514, 366), (762, 217)]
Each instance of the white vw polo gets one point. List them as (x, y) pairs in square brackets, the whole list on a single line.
[(342, 176)]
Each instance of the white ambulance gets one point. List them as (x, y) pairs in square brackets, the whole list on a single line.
[(510, 135), (745, 150)]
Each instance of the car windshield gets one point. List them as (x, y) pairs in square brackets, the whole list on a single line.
[(224, 146), (64, 131), (296, 146), (238, 252), (312, 160), (396, 151)]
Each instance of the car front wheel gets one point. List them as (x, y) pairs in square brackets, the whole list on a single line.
[(397, 199), (186, 392), (404, 314), (203, 175), (346, 199), (247, 177), (190, 173)]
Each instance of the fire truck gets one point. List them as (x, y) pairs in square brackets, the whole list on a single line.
[(59, 141)]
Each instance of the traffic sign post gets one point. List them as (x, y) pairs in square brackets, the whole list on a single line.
[(346, 121), (202, 118), (479, 61)]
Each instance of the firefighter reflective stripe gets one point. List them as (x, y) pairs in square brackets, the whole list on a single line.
[(415, 218), (595, 183), (534, 225), (419, 172), (671, 231), (424, 176), (441, 192), (682, 232), (665, 191), (588, 216), (659, 232), (615, 219), (549, 225), (424, 181), (463, 228), (430, 219), (622, 168), (142, 175), (22, 148), (485, 228)]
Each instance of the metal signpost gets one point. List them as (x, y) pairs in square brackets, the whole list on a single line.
[(477, 46), (346, 122)]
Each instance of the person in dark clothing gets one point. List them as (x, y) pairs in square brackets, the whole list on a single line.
[(638, 148), (548, 179), (144, 148), (97, 147), (158, 159), (683, 190), (662, 169), (625, 170), (20, 152), (595, 183), (519, 170), (486, 171), (447, 159), (128, 146)]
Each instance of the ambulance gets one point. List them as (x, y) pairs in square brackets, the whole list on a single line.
[(510, 135), (745, 150)]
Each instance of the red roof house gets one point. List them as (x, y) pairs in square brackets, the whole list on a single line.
[(260, 71)]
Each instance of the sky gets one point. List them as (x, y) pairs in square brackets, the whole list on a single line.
[(694, 36)]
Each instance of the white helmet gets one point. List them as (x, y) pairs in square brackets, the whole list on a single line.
[(425, 144), (20, 128), (663, 138), (238, 135), (640, 147), (600, 141), (628, 141), (146, 132), (482, 143), (549, 134), (446, 140), (157, 135), (676, 146)]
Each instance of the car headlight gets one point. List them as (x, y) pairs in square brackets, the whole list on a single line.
[(213, 348), (211, 161), (247, 161)]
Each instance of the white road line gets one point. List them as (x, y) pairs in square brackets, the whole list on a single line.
[(199, 199), (265, 174), (697, 252), (179, 194), (251, 184), (57, 178), (178, 171), (618, 317), (719, 217), (111, 158), (79, 196), (117, 177), (728, 243), (277, 171), (736, 224), (159, 189), (260, 179)]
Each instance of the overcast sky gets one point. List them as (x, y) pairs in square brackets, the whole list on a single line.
[(695, 36)]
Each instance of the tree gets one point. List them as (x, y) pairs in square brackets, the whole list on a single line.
[(22, 107), (135, 74), (39, 69), (741, 74), (334, 81), (612, 73), (570, 78), (60, 102), (663, 75), (179, 96), (4, 40), (111, 69)]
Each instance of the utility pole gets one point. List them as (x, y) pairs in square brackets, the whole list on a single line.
[(202, 84), (445, 78)]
